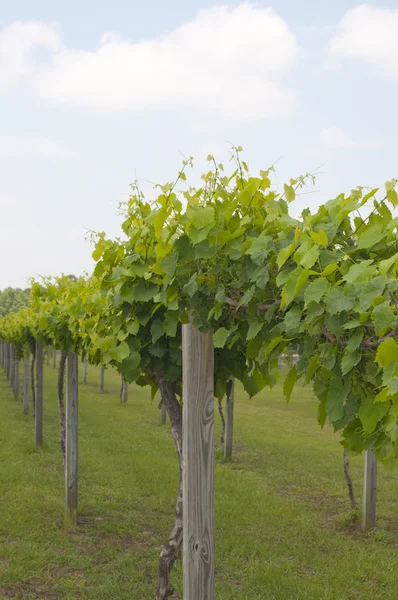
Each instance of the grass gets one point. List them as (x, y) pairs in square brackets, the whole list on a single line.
[(283, 529)]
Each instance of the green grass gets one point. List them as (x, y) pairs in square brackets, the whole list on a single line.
[(282, 530)]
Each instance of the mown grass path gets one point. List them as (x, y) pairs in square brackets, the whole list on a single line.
[(280, 505)]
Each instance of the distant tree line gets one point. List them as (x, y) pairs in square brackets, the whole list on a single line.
[(12, 299)]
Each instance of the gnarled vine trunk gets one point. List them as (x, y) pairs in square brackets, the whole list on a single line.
[(32, 382), (61, 405), (171, 549), (351, 494), (220, 410)]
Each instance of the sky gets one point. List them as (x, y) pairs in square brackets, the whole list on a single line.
[(94, 94)]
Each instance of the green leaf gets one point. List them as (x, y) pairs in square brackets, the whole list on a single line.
[(284, 254), (247, 296), (319, 237), (253, 384), (170, 323), (355, 341), (97, 253), (220, 337), (310, 257), (361, 271), (259, 249), (383, 396), (312, 368), (383, 318), (336, 301), (368, 290), (130, 367), (370, 235), (336, 397), (156, 330), (316, 290), (294, 284), (120, 352), (387, 352), (290, 194), (133, 327), (143, 292), (191, 287), (289, 382), (350, 360), (273, 344), (292, 320), (370, 413), (254, 328), (200, 216), (385, 265)]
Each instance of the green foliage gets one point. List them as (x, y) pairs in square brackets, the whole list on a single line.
[(228, 257), (12, 300)]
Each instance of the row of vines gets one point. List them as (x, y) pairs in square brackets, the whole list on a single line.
[(212, 284)]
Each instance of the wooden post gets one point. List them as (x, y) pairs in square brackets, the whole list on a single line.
[(39, 395), (102, 379), (8, 356), (85, 370), (16, 377), (162, 414), (229, 421), (48, 355), (198, 463), (11, 368), (55, 359), (369, 489), (71, 451), (25, 396)]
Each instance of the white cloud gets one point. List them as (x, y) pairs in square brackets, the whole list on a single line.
[(17, 45), (25, 146), (335, 138), (369, 33), (230, 61)]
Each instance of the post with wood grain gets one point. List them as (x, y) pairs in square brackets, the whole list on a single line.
[(16, 377), (125, 391), (229, 420), (369, 489), (198, 463), (102, 379), (11, 368), (85, 370), (25, 392), (71, 450), (39, 395)]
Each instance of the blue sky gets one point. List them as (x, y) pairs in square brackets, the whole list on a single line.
[(93, 94)]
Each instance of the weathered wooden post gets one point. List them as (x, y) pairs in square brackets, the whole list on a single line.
[(25, 394), (85, 370), (11, 367), (39, 395), (198, 464), (71, 451), (102, 379), (8, 359), (16, 377), (55, 359), (369, 489), (229, 421)]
